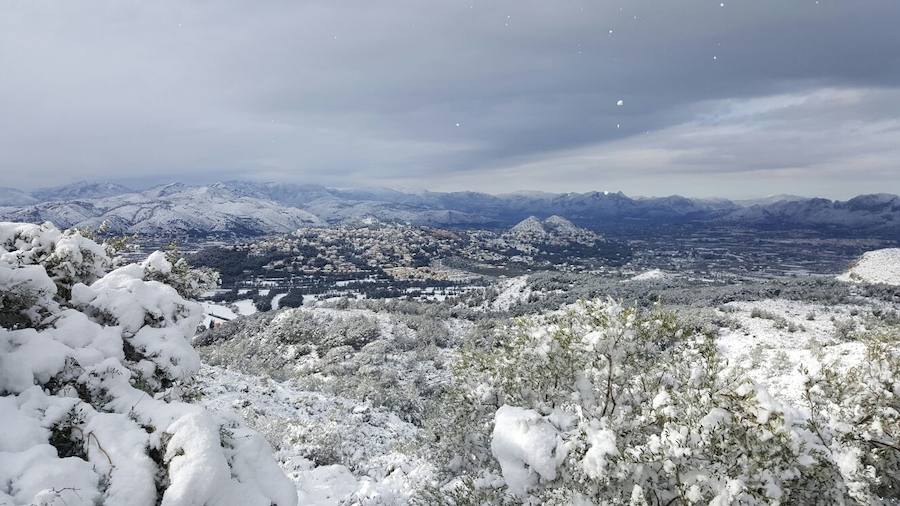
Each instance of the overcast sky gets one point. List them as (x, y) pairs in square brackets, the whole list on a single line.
[(651, 97)]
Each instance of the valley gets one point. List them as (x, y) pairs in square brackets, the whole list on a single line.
[(406, 364)]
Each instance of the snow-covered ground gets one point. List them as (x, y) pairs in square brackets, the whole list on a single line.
[(245, 307), (311, 431), (512, 291), (786, 337), (650, 275), (218, 312), (878, 266), (276, 300)]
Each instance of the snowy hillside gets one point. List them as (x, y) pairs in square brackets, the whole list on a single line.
[(879, 266), (520, 415), (332, 447)]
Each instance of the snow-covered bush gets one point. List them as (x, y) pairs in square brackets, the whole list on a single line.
[(857, 415), (174, 270), (604, 404), (91, 365), (67, 257), (382, 361)]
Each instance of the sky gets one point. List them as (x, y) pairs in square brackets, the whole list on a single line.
[(651, 97)]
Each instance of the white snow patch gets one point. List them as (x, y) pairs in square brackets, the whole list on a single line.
[(512, 291), (527, 446), (245, 307), (773, 355), (650, 275), (216, 312), (602, 446), (326, 485), (877, 266)]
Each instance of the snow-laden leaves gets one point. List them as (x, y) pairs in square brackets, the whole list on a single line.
[(857, 415), (604, 404), (91, 366)]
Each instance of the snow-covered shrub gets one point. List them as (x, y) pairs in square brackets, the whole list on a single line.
[(89, 387), (844, 330), (857, 415), (67, 257), (322, 332), (174, 270), (353, 354), (427, 330), (25, 294), (605, 404)]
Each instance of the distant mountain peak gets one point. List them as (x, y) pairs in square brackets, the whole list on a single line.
[(557, 222), (530, 225)]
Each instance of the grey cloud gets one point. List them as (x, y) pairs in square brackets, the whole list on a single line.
[(744, 148), (371, 93)]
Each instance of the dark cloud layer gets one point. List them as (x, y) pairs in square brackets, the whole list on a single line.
[(745, 97)]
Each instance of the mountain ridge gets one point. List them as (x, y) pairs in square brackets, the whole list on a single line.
[(252, 208)]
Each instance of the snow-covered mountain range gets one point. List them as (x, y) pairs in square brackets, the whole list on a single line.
[(248, 208), (169, 209)]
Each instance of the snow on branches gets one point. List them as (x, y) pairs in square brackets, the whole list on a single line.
[(599, 403), (92, 365)]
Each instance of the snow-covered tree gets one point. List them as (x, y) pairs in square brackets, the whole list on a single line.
[(174, 270), (604, 404), (857, 415), (92, 365)]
